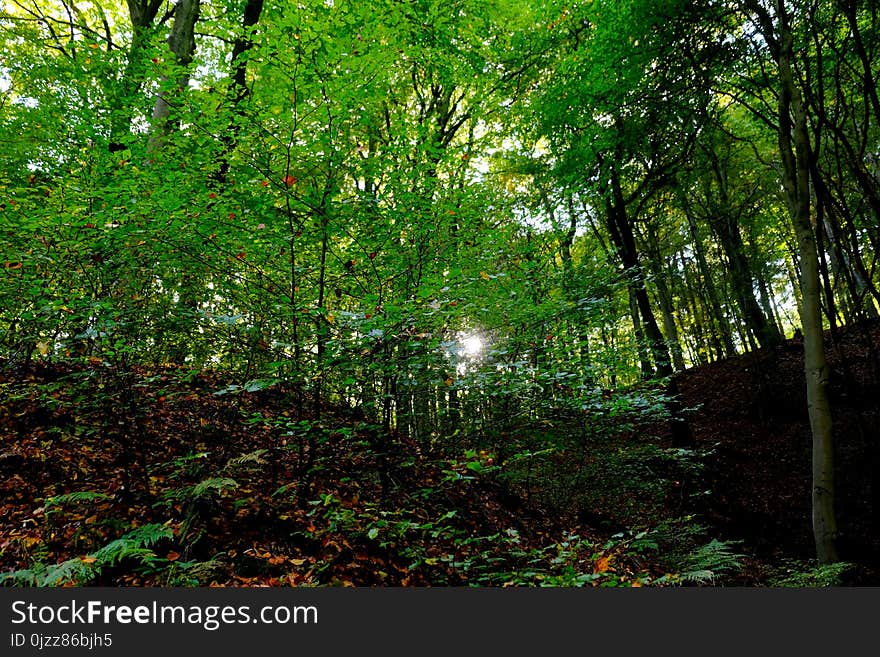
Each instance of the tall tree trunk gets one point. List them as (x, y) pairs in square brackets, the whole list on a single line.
[(722, 331), (641, 349), (702, 348), (795, 147), (623, 236), (142, 14), (869, 74), (767, 304), (571, 289), (725, 224), (664, 296), (824, 275), (624, 240)]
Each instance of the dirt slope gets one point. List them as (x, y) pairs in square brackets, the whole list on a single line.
[(752, 410)]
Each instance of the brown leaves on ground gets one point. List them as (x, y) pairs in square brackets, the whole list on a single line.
[(751, 411), (258, 488)]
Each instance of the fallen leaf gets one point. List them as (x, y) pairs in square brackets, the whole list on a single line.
[(601, 565)]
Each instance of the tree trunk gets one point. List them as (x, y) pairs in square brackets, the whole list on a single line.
[(664, 297), (767, 304), (142, 14), (794, 147), (582, 346), (722, 333), (702, 352), (182, 42), (624, 240), (662, 279), (644, 358), (725, 224), (239, 90)]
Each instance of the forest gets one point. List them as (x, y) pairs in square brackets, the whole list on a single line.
[(527, 293)]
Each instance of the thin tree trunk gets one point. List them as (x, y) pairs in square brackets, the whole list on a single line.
[(725, 224), (182, 42), (722, 331), (644, 358), (703, 352), (664, 298), (767, 305), (239, 90), (795, 147), (624, 240), (664, 295), (583, 339)]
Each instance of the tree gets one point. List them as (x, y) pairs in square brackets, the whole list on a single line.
[(724, 207), (776, 26)]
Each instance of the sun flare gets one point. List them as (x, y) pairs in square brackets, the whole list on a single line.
[(472, 345)]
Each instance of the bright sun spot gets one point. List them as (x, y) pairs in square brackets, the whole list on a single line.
[(472, 345)]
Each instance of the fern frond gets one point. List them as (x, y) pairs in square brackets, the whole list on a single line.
[(24, 578), (710, 560), (134, 546), (149, 535), (214, 483), (697, 576), (75, 497), (197, 491), (120, 550), (812, 575), (72, 571), (255, 458)]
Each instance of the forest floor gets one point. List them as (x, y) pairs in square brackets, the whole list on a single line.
[(170, 477), (176, 478), (751, 412)]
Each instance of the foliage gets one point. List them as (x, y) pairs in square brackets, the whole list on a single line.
[(687, 559), (76, 497), (133, 546), (800, 574), (484, 233)]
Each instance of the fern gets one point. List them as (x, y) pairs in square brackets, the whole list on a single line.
[(805, 575), (132, 546), (71, 571), (199, 490), (193, 573), (26, 577), (77, 497), (697, 577), (213, 484), (251, 458), (707, 562), (42, 575), (148, 535)]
